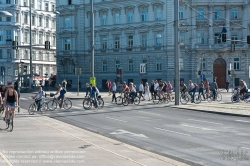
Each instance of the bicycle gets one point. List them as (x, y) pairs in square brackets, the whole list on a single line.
[(9, 119), (158, 98), (236, 97), (211, 96), (186, 97), (88, 102), (120, 98), (33, 107), (52, 104), (128, 99), (1, 110)]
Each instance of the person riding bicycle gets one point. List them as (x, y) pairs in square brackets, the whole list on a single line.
[(213, 88), (125, 88), (183, 87), (3, 90), (93, 93), (242, 88), (160, 87), (87, 89), (61, 96), (191, 89), (40, 99), (132, 91), (10, 102)]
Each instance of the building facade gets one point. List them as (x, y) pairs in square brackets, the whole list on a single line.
[(129, 33), (16, 62)]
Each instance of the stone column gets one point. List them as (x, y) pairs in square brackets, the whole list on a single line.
[(228, 10), (211, 32), (193, 32), (244, 22)]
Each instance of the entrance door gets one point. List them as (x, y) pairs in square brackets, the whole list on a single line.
[(220, 72)]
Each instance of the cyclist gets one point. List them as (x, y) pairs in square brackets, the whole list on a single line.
[(206, 86), (93, 93), (183, 87), (201, 89), (169, 89), (132, 91), (160, 87), (87, 89), (191, 89), (213, 88), (242, 88), (40, 99), (10, 102), (3, 90), (61, 96)]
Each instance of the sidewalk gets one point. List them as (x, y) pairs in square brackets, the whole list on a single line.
[(40, 141)]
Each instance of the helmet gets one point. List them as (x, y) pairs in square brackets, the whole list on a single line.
[(124, 82), (131, 83)]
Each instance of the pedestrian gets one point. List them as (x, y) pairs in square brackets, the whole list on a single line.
[(227, 85), (152, 88), (109, 84), (42, 83), (146, 92), (156, 84), (141, 89), (113, 91), (201, 89), (46, 85), (213, 88)]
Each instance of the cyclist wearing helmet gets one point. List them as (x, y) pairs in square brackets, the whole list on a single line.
[(132, 91), (125, 88)]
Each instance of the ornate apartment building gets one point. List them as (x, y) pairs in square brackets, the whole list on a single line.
[(128, 33), (16, 28)]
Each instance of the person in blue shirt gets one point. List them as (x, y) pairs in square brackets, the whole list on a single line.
[(87, 89), (93, 93), (61, 92)]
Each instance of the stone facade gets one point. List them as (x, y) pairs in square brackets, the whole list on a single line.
[(128, 33)]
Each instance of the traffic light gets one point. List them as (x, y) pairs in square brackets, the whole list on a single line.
[(15, 45), (224, 37), (199, 72), (232, 47), (248, 39), (229, 72), (47, 44)]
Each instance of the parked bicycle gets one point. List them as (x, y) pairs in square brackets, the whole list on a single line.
[(52, 104), (34, 107), (88, 102)]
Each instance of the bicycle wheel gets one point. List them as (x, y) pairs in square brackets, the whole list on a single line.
[(100, 102), (119, 100), (210, 97), (219, 97), (156, 99), (52, 105), (32, 109), (136, 100), (125, 101), (184, 99), (44, 107), (87, 104), (67, 104), (197, 99), (1, 111), (11, 124), (234, 99), (165, 100)]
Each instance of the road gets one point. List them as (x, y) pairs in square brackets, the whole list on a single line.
[(197, 138)]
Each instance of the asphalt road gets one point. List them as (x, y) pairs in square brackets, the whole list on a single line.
[(190, 136)]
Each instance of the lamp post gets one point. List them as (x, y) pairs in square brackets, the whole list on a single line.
[(31, 71), (92, 78)]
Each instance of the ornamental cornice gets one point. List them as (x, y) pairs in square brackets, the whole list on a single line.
[(116, 10), (157, 4), (103, 11), (143, 6), (129, 8)]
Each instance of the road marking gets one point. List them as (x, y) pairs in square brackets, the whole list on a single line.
[(116, 119), (127, 132), (205, 121), (61, 113), (171, 131), (5, 159), (202, 128), (150, 113), (242, 121), (245, 148)]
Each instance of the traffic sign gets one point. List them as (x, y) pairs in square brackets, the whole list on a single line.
[(142, 68), (92, 81), (202, 76)]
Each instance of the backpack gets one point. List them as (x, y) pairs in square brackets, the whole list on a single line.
[(64, 90), (94, 88)]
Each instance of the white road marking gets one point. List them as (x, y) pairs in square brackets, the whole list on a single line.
[(205, 121), (116, 119), (202, 128), (242, 121), (60, 113), (171, 131), (22, 98), (5, 159), (150, 113), (245, 148), (127, 132)]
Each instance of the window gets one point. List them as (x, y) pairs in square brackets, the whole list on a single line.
[(7, 1), (144, 39), (40, 38), (67, 44), (117, 18), (217, 38), (8, 34), (104, 66), (9, 53), (53, 23), (41, 71), (217, 14), (1, 54), (9, 70), (117, 64), (234, 37), (53, 8), (17, 54), (143, 15), (158, 14), (104, 19), (234, 13), (33, 37), (32, 3), (34, 55), (181, 13), (17, 17), (47, 22), (26, 54), (158, 40), (40, 56), (33, 20), (201, 13), (145, 62), (130, 17), (236, 63), (40, 21), (40, 5), (25, 3), (130, 41), (25, 36), (158, 65), (16, 36), (46, 7), (204, 64), (182, 38), (69, 2), (25, 19), (1, 35), (8, 19), (130, 65), (200, 38), (181, 63), (16, 2), (104, 43), (67, 22), (47, 37), (117, 42), (53, 40)]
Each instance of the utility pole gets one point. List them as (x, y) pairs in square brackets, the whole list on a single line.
[(177, 52), (31, 72), (92, 44)]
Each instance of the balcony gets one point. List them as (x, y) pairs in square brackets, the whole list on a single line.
[(201, 22)]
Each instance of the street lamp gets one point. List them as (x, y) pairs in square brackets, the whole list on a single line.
[(92, 77)]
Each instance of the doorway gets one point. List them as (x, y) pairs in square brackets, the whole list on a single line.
[(219, 71)]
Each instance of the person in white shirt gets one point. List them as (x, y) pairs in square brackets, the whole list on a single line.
[(40, 98), (146, 92), (191, 89), (141, 89), (155, 87), (113, 89)]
